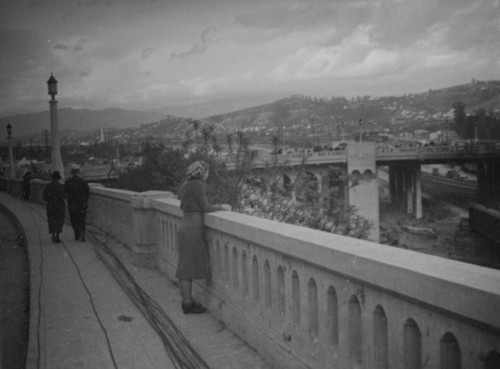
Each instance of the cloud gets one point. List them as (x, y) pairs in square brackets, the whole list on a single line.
[(18, 46), (377, 63), (218, 47), (195, 49), (36, 3), (147, 52), (280, 18), (200, 86), (208, 36), (357, 56), (85, 73)]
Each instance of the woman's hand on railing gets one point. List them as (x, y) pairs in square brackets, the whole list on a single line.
[(225, 207)]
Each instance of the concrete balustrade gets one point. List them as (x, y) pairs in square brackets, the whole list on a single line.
[(111, 211), (309, 299), (305, 298)]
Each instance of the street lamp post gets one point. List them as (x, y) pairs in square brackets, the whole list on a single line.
[(360, 122), (57, 163), (12, 164)]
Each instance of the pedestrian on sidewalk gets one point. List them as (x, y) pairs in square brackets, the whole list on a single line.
[(53, 194), (77, 194), (27, 185), (193, 260)]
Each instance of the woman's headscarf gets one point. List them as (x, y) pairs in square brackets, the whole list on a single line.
[(197, 170)]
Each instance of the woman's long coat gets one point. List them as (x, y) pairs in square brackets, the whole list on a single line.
[(54, 196)]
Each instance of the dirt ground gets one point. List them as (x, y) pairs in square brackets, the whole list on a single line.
[(443, 231), (14, 297)]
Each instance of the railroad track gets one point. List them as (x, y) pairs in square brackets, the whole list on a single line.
[(458, 193)]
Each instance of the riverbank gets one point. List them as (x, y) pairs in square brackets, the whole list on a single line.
[(443, 231)]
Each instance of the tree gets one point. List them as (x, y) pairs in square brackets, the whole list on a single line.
[(233, 181), (163, 169)]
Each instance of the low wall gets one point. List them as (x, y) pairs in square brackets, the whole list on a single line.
[(309, 299)]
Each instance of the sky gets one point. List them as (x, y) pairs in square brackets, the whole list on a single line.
[(145, 54)]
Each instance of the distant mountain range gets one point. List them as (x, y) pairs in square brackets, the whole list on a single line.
[(291, 112), (77, 120)]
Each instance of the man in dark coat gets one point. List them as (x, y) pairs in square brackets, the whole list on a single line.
[(77, 195), (27, 185)]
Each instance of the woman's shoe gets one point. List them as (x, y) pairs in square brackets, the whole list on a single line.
[(193, 308)]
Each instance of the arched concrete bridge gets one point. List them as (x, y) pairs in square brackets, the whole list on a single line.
[(352, 173)]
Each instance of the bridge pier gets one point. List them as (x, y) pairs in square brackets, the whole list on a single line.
[(405, 186), (363, 183)]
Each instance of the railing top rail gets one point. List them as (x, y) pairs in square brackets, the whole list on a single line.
[(123, 195), (384, 152), (411, 275)]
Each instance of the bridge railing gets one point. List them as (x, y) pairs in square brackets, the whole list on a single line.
[(401, 152), (309, 299), (305, 298)]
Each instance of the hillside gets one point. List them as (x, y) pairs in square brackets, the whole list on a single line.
[(320, 114), (294, 118)]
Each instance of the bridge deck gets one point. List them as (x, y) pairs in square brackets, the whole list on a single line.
[(82, 314)]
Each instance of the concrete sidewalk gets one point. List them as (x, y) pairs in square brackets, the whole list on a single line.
[(90, 307)]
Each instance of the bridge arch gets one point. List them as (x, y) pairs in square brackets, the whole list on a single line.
[(355, 330), (332, 307), (450, 352), (296, 299), (287, 182), (235, 268), (244, 273), (380, 338), (281, 292), (368, 175), (267, 284), (492, 360), (313, 308), (355, 177), (412, 345), (255, 278)]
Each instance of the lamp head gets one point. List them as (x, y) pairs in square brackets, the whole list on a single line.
[(52, 86)]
